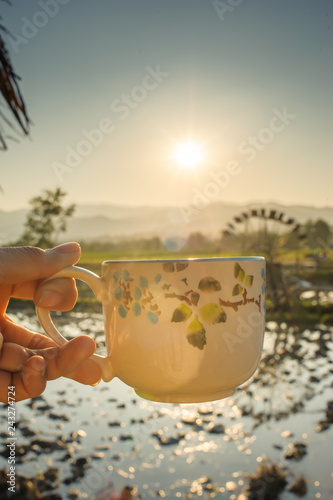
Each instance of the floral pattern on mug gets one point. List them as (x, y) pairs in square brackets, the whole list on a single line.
[(212, 312), (140, 299)]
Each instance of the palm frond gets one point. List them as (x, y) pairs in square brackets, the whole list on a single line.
[(11, 95)]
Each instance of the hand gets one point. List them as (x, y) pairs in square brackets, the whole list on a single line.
[(28, 359)]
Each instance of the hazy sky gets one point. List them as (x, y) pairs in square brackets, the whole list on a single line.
[(113, 86)]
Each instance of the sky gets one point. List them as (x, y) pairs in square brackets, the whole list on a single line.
[(113, 88)]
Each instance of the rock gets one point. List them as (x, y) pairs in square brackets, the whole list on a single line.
[(215, 428), (75, 493), (126, 437), (44, 408), (27, 488), (67, 402), (47, 481), (128, 493), (20, 452), (69, 480), (103, 447), (27, 432), (329, 412), (270, 479), (246, 411), (299, 487), (116, 423), (56, 416), (78, 469), (138, 421), (82, 462), (296, 451), (168, 440), (52, 474), (73, 437), (46, 446), (68, 455), (323, 425)]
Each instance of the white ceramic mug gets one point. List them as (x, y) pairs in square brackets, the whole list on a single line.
[(178, 331)]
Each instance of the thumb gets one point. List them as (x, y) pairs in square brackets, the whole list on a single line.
[(21, 264)]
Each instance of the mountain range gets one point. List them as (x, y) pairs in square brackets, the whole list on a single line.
[(115, 222)]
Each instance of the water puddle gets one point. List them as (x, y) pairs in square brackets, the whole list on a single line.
[(76, 440)]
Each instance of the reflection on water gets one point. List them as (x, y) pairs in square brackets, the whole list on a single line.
[(318, 297), (83, 438)]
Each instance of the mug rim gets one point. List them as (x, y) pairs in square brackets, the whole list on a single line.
[(190, 259)]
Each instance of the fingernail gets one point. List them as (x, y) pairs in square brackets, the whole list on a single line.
[(49, 299), (71, 247), (37, 363)]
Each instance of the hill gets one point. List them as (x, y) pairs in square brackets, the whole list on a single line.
[(117, 222)]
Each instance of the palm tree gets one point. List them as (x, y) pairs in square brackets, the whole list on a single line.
[(12, 105)]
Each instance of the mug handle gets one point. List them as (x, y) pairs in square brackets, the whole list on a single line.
[(97, 285)]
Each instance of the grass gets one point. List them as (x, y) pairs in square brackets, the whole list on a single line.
[(93, 260), (94, 257)]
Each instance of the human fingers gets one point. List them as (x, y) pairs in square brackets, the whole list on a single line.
[(13, 357), (58, 294), (32, 380), (28, 383), (88, 373), (28, 370), (17, 334), (71, 360), (25, 264)]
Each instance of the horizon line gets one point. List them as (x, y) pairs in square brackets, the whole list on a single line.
[(214, 202)]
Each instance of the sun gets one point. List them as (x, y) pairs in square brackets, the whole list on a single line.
[(188, 154)]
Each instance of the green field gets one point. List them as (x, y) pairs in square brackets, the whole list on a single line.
[(93, 260)]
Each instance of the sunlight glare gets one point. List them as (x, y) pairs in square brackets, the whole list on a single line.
[(189, 155)]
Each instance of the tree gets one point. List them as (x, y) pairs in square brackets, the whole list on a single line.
[(13, 104), (196, 240), (46, 220), (319, 234)]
